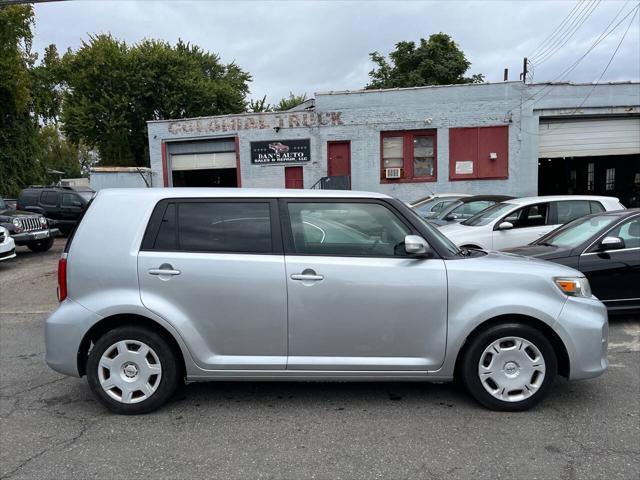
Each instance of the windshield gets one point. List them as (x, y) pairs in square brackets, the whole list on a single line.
[(433, 207), (440, 237), (488, 215), (578, 231), (3, 205)]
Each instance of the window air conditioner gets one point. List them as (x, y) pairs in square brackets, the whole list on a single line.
[(392, 172)]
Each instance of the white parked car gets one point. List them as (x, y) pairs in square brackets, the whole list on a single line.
[(7, 245), (522, 220), (429, 207)]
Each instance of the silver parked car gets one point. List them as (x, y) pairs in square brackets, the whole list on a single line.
[(158, 286)]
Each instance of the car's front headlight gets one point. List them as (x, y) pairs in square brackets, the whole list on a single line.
[(17, 223), (43, 220), (573, 286)]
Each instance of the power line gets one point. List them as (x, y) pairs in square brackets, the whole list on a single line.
[(570, 33), (535, 51), (580, 8), (608, 63), (572, 67)]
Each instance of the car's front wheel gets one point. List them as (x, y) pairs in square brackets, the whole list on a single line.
[(132, 370), (509, 367), (41, 245)]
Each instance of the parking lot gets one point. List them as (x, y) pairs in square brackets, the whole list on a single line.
[(51, 426)]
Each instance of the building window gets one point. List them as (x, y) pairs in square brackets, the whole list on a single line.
[(591, 176), (413, 152), (610, 179), (478, 153)]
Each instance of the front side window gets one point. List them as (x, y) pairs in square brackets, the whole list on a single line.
[(222, 227), (530, 216), (49, 198), (629, 231), (412, 151), (578, 231), (572, 209), (70, 200), (349, 229)]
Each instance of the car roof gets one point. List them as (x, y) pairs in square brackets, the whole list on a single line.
[(555, 198), (477, 198), (188, 192)]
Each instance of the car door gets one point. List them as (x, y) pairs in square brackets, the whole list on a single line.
[(70, 207), (529, 223), (614, 275), (356, 300), (49, 202), (214, 268)]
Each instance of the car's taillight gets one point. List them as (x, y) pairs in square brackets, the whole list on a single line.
[(62, 278)]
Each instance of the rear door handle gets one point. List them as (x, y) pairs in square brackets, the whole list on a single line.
[(306, 278), (162, 271)]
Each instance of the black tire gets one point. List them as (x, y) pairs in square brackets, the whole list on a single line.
[(472, 357), (169, 380), (41, 245)]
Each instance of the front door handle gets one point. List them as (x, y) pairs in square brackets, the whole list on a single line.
[(307, 277), (163, 271)]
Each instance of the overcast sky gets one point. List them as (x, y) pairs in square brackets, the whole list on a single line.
[(319, 46)]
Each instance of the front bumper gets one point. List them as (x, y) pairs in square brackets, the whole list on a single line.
[(25, 238), (584, 329), (7, 249)]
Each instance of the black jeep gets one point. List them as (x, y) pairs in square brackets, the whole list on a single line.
[(27, 228)]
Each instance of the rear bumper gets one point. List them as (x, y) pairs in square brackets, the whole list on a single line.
[(584, 328), (29, 237), (64, 330)]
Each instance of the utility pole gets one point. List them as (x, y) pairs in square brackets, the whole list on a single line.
[(523, 75)]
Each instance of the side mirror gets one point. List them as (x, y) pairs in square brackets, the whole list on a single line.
[(611, 243), (416, 245), (505, 226), (451, 217)]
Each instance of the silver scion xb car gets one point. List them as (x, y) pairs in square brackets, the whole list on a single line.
[(159, 286)]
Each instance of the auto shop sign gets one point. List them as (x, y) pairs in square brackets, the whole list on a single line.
[(280, 151)]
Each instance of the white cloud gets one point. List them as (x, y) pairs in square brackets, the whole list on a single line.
[(318, 46)]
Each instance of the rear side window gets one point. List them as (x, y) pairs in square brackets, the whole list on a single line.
[(222, 227), (70, 200), (596, 207), (28, 198), (571, 209), (49, 198)]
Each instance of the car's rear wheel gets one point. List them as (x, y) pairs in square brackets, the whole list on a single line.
[(41, 245), (132, 370), (509, 367)]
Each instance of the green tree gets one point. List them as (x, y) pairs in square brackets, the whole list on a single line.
[(47, 86), (112, 90), (18, 127), (57, 153), (258, 106), (436, 61), (291, 101)]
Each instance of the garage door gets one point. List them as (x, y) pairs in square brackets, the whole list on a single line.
[(203, 161), (588, 137)]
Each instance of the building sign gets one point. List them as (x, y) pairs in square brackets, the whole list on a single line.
[(280, 151), (464, 167), (232, 123)]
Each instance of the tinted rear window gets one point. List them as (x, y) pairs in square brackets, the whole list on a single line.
[(223, 227)]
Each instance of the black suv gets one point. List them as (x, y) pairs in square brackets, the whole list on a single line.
[(64, 205), (27, 228)]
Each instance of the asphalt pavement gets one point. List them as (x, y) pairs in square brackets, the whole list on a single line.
[(51, 427)]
